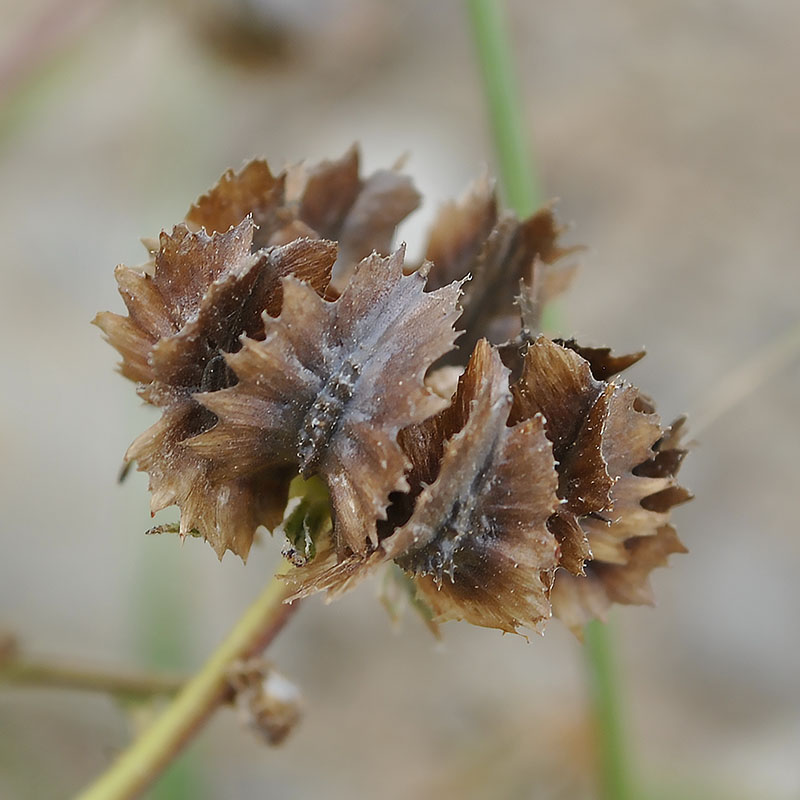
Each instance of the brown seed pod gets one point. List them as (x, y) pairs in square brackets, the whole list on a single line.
[(616, 471), (204, 293), (477, 542), (506, 257), (613, 485), (558, 384), (472, 531), (636, 538), (330, 387), (328, 200)]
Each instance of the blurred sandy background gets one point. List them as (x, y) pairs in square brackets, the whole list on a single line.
[(669, 131)]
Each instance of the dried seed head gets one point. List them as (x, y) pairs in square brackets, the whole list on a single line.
[(472, 531), (477, 541), (504, 256), (330, 387), (616, 469), (328, 200), (205, 292), (209, 282)]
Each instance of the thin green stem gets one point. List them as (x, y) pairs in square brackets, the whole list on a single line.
[(164, 635), (614, 772), (149, 755), (514, 154), (522, 193)]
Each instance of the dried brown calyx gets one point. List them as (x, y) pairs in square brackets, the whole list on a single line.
[(203, 294), (513, 263), (329, 200), (587, 487), (616, 469), (637, 537), (331, 385), (530, 481), (472, 531)]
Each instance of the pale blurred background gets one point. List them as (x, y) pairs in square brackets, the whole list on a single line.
[(669, 132)]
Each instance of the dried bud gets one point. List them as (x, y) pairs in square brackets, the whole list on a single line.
[(269, 703)]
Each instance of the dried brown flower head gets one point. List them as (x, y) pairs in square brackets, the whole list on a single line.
[(329, 200), (591, 479), (472, 531), (616, 470), (209, 283), (331, 385), (531, 481), (204, 293), (511, 262)]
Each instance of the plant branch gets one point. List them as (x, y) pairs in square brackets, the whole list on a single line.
[(25, 672), (146, 758)]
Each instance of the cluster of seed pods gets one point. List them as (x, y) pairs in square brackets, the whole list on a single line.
[(511, 476)]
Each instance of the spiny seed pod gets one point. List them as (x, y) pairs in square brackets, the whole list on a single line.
[(331, 385), (472, 531), (204, 293), (616, 469), (507, 258), (329, 200), (590, 479)]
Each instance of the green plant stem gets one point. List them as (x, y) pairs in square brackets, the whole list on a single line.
[(146, 758), (54, 675), (516, 166), (163, 635), (523, 194), (614, 773)]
